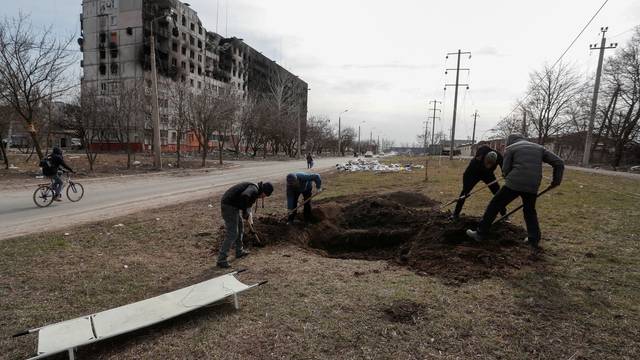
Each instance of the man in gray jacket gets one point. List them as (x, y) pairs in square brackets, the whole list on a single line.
[(522, 170)]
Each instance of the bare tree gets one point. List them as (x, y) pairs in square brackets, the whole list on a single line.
[(126, 114), (551, 93), (285, 111), (33, 68), (86, 117), (181, 119), (320, 135), (623, 74), (507, 126), (210, 112)]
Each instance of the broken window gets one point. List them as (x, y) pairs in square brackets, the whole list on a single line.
[(184, 21), (184, 65), (184, 50), (114, 68), (199, 44), (174, 46), (192, 54), (192, 40), (193, 27), (114, 20), (103, 69), (129, 30), (103, 53), (199, 70), (103, 37)]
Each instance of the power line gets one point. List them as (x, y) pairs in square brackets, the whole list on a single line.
[(559, 58)]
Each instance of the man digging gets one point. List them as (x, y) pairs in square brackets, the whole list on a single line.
[(480, 168), (239, 199), (522, 170), (301, 184)]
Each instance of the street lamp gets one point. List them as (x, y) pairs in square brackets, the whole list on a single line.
[(157, 159), (339, 132), (359, 143)]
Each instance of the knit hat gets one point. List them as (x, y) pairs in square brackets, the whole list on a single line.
[(491, 156), (267, 188)]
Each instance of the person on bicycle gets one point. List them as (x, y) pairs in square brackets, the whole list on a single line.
[(56, 161)]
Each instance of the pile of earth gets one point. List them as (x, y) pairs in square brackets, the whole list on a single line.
[(405, 229)]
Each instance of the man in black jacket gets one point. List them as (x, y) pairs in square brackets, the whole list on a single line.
[(239, 199), (522, 171), (54, 162), (480, 168)]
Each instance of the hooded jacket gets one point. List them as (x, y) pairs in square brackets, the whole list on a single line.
[(522, 165)]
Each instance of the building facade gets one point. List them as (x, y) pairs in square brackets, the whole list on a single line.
[(116, 43)]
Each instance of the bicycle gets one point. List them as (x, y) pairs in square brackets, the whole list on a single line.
[(44, 194)]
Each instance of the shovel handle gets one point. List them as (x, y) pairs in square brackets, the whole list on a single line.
[(521, 206)]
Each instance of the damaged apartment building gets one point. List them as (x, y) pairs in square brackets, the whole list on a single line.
[(115, 41)]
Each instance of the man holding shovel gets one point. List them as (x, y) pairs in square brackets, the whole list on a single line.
[(522, 170), (480, 168), (301, 184), (239, 199)]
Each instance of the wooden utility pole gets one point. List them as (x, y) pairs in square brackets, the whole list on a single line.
[(426, 156), (433, 119), (473, 137), (455, 98), (594, 102)]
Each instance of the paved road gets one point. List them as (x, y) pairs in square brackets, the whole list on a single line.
[(622, 174), (115, 197)]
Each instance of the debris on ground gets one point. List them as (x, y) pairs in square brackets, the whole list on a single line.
[(404, 311), (375, 166), (405, 229)]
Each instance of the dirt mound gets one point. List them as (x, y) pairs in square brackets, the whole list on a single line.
[(404, 311), (409, 199), (421, 238)]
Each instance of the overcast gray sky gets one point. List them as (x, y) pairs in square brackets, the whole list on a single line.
[(383, 60)]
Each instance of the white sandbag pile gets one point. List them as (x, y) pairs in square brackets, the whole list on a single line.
[(374, 166)]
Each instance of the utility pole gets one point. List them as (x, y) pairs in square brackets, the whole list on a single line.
[(433, 119), (339, 132), (473, 137), (359, 143), (596, 88), (157, 160), (426, 157), (455, 99)]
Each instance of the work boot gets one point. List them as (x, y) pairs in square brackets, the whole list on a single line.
[(242, 254), (534, 246), (223, 264), (474, 235)]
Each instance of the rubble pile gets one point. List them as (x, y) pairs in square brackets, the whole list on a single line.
[(375, 166)]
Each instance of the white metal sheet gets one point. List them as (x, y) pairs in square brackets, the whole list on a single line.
[(64, 335), (148, 312), (73, 333)]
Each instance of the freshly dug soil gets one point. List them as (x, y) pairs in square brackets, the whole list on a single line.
[(404, 311), (404, 229)]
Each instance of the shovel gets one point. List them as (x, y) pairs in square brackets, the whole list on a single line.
[(302, 204), (520, 207), (255, 233), (469, 194)]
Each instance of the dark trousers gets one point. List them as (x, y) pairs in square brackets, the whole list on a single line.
[(234, 231), (292, 203), (469, 181), (502, 199)]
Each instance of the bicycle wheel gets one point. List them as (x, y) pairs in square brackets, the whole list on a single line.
[(75, 191), (43, 196)]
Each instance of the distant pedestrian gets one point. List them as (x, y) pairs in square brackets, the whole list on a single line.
[(309, 161), (480, 168), (522, 170), (301, 184), (238, 200)]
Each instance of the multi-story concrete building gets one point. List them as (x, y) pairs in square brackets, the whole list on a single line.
[(115, 41)]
